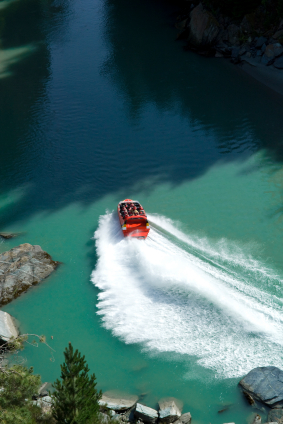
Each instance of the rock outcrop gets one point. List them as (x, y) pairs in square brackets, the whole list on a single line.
[(22, 267), (208, 32), (266, 385), (169, 411), (8, 328), (118, 402), (203, 27), (146, 414)]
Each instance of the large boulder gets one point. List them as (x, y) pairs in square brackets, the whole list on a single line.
[(169, 410), (184, 419), (203, 27), (266, 385), (22, 267), (271, 52), (117, 401), (45, 404), (260, 42), (276, 415), (146, 414), (8, 328)]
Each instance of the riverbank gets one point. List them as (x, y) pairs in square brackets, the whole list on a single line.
[(252, 41)]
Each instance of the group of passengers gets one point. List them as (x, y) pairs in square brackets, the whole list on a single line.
[(131, 209)]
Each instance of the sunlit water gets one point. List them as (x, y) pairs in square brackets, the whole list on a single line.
[(98, 103)]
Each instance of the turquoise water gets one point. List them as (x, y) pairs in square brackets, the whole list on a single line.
[(98, 103)]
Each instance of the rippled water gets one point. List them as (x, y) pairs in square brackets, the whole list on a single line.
[(98, 102)]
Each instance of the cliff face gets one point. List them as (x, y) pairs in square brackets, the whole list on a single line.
[(22, 267), (256, 37)]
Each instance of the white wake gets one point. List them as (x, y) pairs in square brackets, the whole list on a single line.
[(176, 293)]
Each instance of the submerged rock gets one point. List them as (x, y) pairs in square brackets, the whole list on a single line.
[(203, 27), (276, 416), (8, 235), (146, 414), (22, 267), (169, 411), (8, 328), (184, 419), (118, 402), (266, 385)]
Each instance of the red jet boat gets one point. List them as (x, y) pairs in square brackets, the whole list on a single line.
[(133, 219)]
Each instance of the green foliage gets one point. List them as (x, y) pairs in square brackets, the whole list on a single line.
[(76, 397), (18, 385)]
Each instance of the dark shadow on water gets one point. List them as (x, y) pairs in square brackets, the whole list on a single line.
[(182, 113)]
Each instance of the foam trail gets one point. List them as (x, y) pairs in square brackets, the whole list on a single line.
[(176, 293)]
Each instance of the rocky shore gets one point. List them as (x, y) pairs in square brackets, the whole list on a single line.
[(129, 409), (262, 387), (250, 42)]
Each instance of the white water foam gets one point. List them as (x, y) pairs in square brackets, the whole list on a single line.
[(176, 293)]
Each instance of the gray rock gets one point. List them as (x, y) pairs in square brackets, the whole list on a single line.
[(203, 27), (271, 52), (276, 415), (117, 401), (263, 47), (278, 34), (278, 63), (259, 53), (278, 49), (146, 414), (235, 55), (7, 327), (103, 418), (22, 267), (257, 419), (243, 49), (266, 385), (169, 411), (223, 48), (260, 41), (184, 419), (45, 404), (235, 52)]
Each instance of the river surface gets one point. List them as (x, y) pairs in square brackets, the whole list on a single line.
[(98, 103)]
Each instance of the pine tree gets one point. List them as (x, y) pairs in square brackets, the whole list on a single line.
[(76, 397)]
